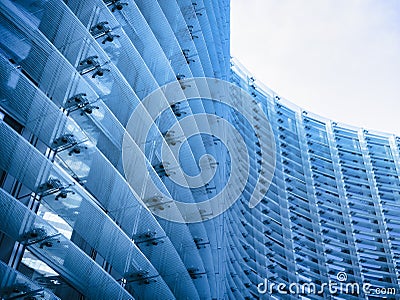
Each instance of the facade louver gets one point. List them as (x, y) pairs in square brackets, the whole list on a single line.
[(71, 227)]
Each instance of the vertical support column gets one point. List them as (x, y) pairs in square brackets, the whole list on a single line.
[(311, 199), (344, 204), (287, 231), (377, 202)]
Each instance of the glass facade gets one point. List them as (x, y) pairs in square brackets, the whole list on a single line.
[(72, 226)]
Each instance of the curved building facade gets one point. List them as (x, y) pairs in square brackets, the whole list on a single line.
[(75, 224)]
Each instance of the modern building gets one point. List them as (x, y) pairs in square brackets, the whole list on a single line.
[(73, 227)]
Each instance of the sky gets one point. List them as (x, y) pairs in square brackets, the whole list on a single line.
[(337, 58)]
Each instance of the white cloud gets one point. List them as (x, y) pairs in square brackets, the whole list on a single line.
[(336, 58)]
